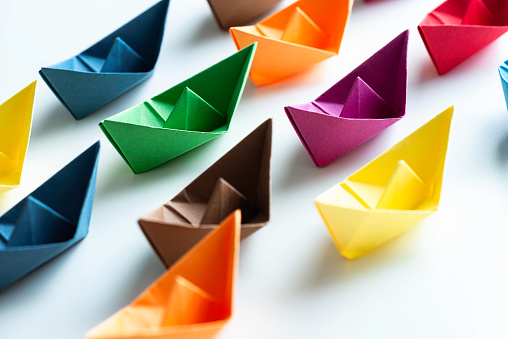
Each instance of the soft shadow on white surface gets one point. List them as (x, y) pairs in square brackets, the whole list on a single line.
[(57, 117)]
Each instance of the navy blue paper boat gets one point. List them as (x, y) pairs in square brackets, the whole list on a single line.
[(50, 220), (112, 66)]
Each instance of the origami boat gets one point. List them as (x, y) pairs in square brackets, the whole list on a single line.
[(503, 73), (112, 66), (238, 180), (193, 299), (295, 38), (50, 220), (184, 117), (457, 29), (230, 13), (365, 102), (391, 194), (15, 124)]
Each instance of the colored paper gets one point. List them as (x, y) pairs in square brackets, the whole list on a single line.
[(365, 102), (238, 180), (503, 73), (50, 220), (295, 38), (15, 125), (230, 13), (391, 194), (111, 67), (183, 117), (457, 29), (193, 299)]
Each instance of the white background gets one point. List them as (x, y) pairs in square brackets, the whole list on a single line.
[(446, 278)]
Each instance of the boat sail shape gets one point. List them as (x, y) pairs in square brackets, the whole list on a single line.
[(181, 118), (112, 66), (238, 180), (390, 194), (50, 220), (15, 125), (295, 38), (361, 105), (458, 29), (192, 299)]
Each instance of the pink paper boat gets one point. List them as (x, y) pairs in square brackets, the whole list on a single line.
[(365, 102)]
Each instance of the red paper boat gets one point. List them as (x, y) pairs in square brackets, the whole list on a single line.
[(457, 29)]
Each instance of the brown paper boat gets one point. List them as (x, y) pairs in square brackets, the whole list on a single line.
[(238, 180), (231, 13)]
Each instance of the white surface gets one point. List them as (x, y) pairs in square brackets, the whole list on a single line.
[(446, 278)]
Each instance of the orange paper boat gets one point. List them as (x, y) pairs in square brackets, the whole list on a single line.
[(295, 38), (193, 299)]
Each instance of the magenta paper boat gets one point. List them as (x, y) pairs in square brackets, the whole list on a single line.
[(365, 102)]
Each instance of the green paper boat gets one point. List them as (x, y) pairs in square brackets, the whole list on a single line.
[(184, 117)]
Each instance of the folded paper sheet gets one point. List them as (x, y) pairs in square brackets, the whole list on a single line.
[(184, 117), (239, 12), (15, 125), (503, 73), (295, 38), (193, 299), (112, 66), (457, 29), (389, 195), (238, 180), (50, 220), (365, 102)]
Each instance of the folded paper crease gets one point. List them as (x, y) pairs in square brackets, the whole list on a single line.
[(181, 118), (192, 299), (390, 194), (112, 66), (50, 220), (361, 105), (238, 180), (294, 38)]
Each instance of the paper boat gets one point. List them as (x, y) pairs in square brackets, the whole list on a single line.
[(457, 29), (238, 180), (391, 194), (50, 220), (15, 124), (358, 107), (239, 12), (295, 38), (503, 73), (112, 66), (193, 299), (184, 117)]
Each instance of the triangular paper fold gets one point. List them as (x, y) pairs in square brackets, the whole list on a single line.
[(364, 103), (240, 179), (458, 29), (193, 299), (295, 38), (51, 219), (15, 125), (183, 117), (110, 67), (391, 194)]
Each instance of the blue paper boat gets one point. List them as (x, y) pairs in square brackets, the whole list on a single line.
[(50, 220), (503, 72), (112, 66)]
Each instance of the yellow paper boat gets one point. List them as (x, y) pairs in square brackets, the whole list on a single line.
[(391, 194), (15, 124)]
